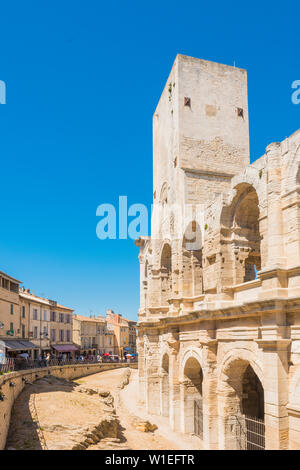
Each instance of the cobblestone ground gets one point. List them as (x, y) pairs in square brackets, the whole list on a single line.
[(84, 414)]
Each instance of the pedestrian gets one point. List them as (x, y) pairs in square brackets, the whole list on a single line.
[(47, 360)]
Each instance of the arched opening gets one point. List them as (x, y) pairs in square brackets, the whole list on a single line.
[(192, 273), (252, 395), (165, 386), (166, 274), (243, 408), (193, 403), (246, 235)]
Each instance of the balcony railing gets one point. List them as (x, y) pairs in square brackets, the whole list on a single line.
[(16, 364)]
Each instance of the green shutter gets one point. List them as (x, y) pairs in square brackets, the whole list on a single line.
[(11, 309)]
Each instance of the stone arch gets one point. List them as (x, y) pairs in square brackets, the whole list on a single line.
[(240, 222), (253, 177), (191, 392), (238, 354), (166, 273), (165, 384), (190, 352), (240, 393), (191, 389), (192, 274)]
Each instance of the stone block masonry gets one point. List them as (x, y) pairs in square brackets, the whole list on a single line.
[(219, 324)]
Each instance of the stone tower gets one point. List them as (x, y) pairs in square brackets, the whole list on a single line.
[(200, 132)]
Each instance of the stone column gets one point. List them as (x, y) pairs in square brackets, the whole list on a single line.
[(275, 371), (273, 274), (210, 402), (141, 367), (174, 391), (275, 226), (142, 282), (154, 289), (152, 371)]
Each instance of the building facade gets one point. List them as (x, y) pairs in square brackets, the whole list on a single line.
[(110, 339), (10, 317), (89, 334), (36, 309), (124, 333), (14, 320), (132, 336), (61, 329), (219, 318), (49, 324)]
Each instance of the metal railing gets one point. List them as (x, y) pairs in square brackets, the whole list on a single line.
[(250, 433), (16, 364), (198, 418), (7, 366)]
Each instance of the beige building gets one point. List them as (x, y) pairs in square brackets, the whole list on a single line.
[(124, 332), (37, 310), (89, 334), (110, 339), (14, 320), (219, 318), (10, 317), (49, 324), (61, 329), (132, 336)]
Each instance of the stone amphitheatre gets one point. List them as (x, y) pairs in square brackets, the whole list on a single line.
[(219, 318)]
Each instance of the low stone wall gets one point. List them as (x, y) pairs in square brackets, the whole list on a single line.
[(68, 372)]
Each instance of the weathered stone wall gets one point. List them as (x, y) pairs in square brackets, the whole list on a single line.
[(68, 372), (232, 303)]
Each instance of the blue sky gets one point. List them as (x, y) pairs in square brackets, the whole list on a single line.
[(83, 79)]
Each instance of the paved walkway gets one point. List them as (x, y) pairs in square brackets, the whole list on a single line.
[(129, 400)]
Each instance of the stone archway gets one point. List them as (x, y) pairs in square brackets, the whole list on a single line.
[(241, 227), (192, 396), (245, 228), (165, 386), (241, 404)]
